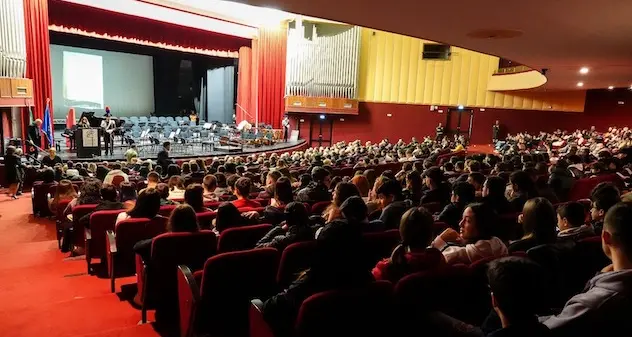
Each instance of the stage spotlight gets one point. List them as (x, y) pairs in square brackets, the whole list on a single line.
[(460, 107), (322, 116)]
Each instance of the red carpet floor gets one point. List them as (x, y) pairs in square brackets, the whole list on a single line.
[(45, 293)]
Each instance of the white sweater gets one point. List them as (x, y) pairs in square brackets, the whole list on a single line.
[(471, 252)]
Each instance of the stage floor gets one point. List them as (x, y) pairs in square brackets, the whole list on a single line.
[(178, 151)]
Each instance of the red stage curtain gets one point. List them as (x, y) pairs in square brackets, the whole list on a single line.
[(272, 47), (101, 21), (244, 86), (37, 57)]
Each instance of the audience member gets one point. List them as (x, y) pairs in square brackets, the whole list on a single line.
[(318, 189), (128, 194), (295, 228), (194, 197), (153, 179), (538, 222), (523, 189), (342, 192), (176, 188), (242, 192), (494, 195), (462, 195), (392, 204), (571, 218), (147, 206), (602, 197), (438, 190), (64, 191), (210, 186)]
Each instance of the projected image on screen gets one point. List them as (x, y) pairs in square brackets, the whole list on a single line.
[(83, 80)]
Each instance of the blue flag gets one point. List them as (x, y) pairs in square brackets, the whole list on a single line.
[(47, 126)]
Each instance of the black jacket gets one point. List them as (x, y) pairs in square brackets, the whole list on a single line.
[(47, 161), (163, 160), (34, 134), (13, 169), (392, 214), (102, 206), (440, 195), (500, 205), (279, 238), (313, 193), (451, 215)]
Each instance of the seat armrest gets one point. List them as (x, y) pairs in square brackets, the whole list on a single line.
[(110, 244), (88, 233), (110, 247), (188, 300), (258, 326)]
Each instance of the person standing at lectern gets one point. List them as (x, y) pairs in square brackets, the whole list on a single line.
[(439, 131), (495, 132), (108, 126), (84, 122), (34, 137)]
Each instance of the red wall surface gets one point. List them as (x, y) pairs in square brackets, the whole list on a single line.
[(372, 123)]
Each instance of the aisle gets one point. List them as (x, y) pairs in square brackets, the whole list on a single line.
[(45, 293)]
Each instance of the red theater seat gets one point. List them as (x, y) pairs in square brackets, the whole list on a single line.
[(121, 241), (205, 219), (295, 258), (100, 223), (166, 210), (60, 219), (77, 227), (157, 278), (241, 238), (582, 187), (39, 198), (218, 306), (319, 207), (380, 245)]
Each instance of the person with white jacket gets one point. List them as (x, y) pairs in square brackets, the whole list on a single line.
[(476, 239)]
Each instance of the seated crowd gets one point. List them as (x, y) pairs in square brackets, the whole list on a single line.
[(447, 213)]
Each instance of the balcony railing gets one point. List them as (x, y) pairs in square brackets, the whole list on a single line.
[(512, 70)]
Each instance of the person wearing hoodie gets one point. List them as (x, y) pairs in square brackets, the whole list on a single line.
[(570, 222), (413, 254), (476, 239), (604, 307)]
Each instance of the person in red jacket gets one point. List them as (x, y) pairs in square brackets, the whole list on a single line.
[(412, 255), (242, 192)]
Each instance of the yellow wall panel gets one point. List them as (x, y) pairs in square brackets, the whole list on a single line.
[(392, 71)]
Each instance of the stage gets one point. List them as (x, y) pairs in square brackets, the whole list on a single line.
[(178, 151)]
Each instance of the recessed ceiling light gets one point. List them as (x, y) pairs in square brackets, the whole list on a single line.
[(580, 84), (584, 70), (610, 87)]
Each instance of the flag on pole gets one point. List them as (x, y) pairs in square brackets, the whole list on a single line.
[(47, 126)]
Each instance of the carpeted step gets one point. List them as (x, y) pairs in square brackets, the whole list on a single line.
[(144, 330)]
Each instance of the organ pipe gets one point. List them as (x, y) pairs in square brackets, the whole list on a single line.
[(12, 39), (323, 65)]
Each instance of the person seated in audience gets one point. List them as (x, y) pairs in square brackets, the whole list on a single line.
[(52, 159), (196, 173), (173, 170), (147, 206), (342, 192), (194, 197), (413, 254), (414, 187), (153, 179), (274, 213), (131, 153), (270, 182), (163, 191), (228, 216), (176, 188), (222, 187), (392, 203), (128, 194), (89, 194), (370, 176), (538, 220), (602, 197), (335, 266), (304, 181), (109, 201), (476, 239), (242, 192), (463, 194), (210, 185), (183, 219), (318, 189), (71, 171), (63, 191), (116, 171), (603, 308), (185, 170), (438, 190), (523, 189), (477, 180), (295, 228), (494, 195), (230, 181), (571, 218), (362, 183)]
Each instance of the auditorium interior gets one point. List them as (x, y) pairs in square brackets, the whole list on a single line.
[(278, 168)]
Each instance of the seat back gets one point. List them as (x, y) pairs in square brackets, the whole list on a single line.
[(168, 251), (241, 238), (364, 311), (100, 222), (117, 180), (78, 227), (319, 207), (205, 219), (229, 282), (295, 258), (582, 187), (128, 233), (380, 245), (166, 210), (40, 197), (432, 207)]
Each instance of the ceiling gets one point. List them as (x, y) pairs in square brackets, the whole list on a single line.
[(560, 35)]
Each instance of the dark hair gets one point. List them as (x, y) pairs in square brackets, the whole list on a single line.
[(617, 222), (243, 186), (166, 144), (604, 196), (109, 193), (194, 167), (414, 183), (296, 214), (173, 170), (465, 192), (90, 193), (517, 286), (319, 174), (354, 209), (147, 205), (186, 168), (176, 182), (370, 176), (231, 168), (274, 175), (486, 219), (194, 196), (163, 190), (305, 179), (221, 180), (475, 166), (434, 173), (477, 177), (390, 188), (232, 180), (227, 216), (496, 187), (574, 212), (128, 191), (448, 166), (524, 183), (343, 192), (539, 220), (283, 190), (183, 219), (415, 228)]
